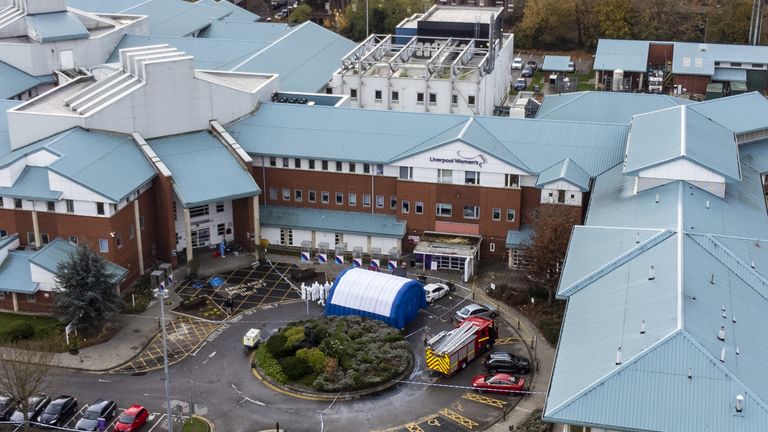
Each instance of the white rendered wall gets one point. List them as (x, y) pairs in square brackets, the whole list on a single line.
[(46, 279), (210, 221)]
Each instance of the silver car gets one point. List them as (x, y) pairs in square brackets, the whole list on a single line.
[(476, 310)]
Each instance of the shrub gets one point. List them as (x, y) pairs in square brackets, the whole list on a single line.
[(550, 328), (314, 358), (269, 365), (294, 367), (276, 345), (18, 330), (534, 423), (294, 335), (192, 302)]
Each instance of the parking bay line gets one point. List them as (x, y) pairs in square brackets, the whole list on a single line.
[(160, 420)]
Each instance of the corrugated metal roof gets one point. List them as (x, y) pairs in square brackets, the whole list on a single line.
[(520, 238), (741, 113), (305, 58), (203, 170), (627, 55), (699, 58), (332, 221), (245, 30), (8, 240), (171, 6), (603, 107), (176, 18), (728, 74), (566, 170), (60, 250), (555, 63), (32, 184), (14, 81), (57, 26), (15, 275), (681, 133)]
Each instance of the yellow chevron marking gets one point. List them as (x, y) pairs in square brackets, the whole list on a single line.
[(498, 403), (413, 427), (467, 423), (440, 363)]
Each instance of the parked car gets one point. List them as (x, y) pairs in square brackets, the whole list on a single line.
[(508, 363), (527, 72), (8, 405), (500, 383), (58, 411), (520, 84), (106, 409), (132, 419), (37, 404), (571, 67), (517, 63), (532, 64), (435, 291), (476, 310)]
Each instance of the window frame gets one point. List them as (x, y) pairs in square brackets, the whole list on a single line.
[(475, 210), (513, 213), (440, 207)]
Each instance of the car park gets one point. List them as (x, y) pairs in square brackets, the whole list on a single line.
[(100, 408), (520, 84), (527, 72), (8, 405), (517, 63), (507, 363), (499, 383), (532, 64), (36, 403), (132, 419), (58, 411), (476, 310), (435, 291)]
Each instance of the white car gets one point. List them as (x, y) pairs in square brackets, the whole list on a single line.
[(517, 63), (435, 291)]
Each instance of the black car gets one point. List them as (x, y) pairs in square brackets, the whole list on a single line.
[(8, 405), (532, 64), (58, 411), (507, 363), (527, 72), (37, 404), (106, 409)]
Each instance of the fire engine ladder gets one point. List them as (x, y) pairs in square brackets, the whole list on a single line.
[(455, 338)]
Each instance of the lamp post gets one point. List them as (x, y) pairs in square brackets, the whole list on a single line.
[(366, 19), (161, 294)]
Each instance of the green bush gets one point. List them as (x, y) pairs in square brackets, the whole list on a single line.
[(269, 365), (18, 331), (314, 358), (294, 335), (534, 423), (294, 367), (276, 345), (550, 328)]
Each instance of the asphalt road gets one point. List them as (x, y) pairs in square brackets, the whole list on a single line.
[(219, 381)]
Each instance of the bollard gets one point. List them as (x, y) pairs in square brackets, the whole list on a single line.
[(518, 323), (533, 339)]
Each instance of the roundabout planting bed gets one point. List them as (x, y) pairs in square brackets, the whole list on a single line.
[(334, 354)]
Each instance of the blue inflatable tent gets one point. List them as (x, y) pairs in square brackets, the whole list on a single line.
[(392, 299)]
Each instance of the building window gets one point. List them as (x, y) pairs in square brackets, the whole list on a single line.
[(366, 168), (297, 194), (366, 200), (339, 198), (198, 211), (338, 238), (272, 193), (100, 208), (312, 164), (339, 166), (379, 169), (103, 245), (535, 214), (219, 207), (312, 196), (51, 206), (380, 201), (561, 196), (328, 90), (285, 162), (70, 206), (31, 298), (16, 203), (433, 98), (471, 212), (1, 203), (3, 233), (393, 202), (325, 197), (119, 240), (735, 64), (44, 238), (405, 206), (496, 214), (472, 177), (272, 161), (73, 239), (221, 229), (131, 232), (406, 173), (395, 97), (454, 99), (352, 167), (352, 198), (444, 209), (419, 207), (445, 176), (471, 100), (492, 247), (353, 93), (420, 98), (30, 237), (286, 194), (377, 95), (324, 165), (510, 215), (511, 180), (286, 237), (297, 163)]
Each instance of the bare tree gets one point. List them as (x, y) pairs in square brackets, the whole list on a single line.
[(25, 371), (552, 226)]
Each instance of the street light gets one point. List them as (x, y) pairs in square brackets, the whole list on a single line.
[(161, 294)]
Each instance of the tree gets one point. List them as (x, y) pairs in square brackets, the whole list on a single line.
[(383, 16), (85, 295), (666, 20), (545, 256), (549, 24), (24, 372), (614, 19), (301, 13), (729, 23)]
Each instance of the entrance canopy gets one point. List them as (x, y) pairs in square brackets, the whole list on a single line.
[(437, 250)]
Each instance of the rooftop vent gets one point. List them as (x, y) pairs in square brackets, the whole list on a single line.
[(721, 333), (707, 203), (733, 319), (642, 327), (651, 273), (637, 238), (712, 281), (690, 373), (737, 351), (722, 355), (657, 198), (618, 356), (739, 403)]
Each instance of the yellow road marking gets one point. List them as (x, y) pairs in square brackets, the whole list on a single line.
[(498, 403), (458, 418), (286, 392)]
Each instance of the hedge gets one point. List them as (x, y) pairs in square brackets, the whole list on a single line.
[(270, 365)]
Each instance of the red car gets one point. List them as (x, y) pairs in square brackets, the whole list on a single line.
[(131, 419), (500, 383)]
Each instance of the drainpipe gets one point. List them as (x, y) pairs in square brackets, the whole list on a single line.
[(137, 230), (256, 222), (36, 227), (188, 234)]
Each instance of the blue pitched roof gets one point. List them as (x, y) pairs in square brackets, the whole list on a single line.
[(603, 107), (14, 81), (15, 275), (681, 133), (741, 113), (162, 9), (203, 170), (245, 30), (728, 74), (58, 26), (692, 58), (555, 63), (628, 55), (59, 250), (519, 238), (32, 184), (565, 170), (333, 221)]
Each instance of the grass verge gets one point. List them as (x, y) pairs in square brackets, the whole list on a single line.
[(194, 424)]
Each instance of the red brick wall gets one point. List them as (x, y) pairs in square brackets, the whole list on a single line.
[(43, 303), (692, 83), (242, 222), (165, 228)]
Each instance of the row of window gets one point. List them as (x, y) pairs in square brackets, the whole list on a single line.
[(394, 97), (31, 298), (470, 177), (325, 165), (18, 204)]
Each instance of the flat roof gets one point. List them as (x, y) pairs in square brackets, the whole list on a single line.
[(556, 63), (462, 14)]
